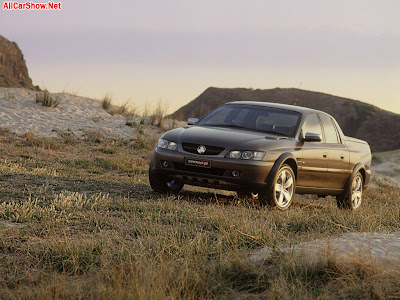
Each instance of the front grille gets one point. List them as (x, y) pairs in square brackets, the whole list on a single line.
[(199, 170), (210, 150)]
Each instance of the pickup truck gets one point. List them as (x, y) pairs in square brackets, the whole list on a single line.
[(264, 150)]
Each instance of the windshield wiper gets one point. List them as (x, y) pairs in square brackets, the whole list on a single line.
[(226, 125), (274, 132)]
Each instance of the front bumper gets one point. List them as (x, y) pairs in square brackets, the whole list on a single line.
[(252, 174)]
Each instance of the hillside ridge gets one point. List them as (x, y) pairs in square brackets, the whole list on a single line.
[(380, 128)]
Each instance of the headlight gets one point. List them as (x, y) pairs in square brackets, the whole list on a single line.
[(234, 154), (164, 144), (247, 155)]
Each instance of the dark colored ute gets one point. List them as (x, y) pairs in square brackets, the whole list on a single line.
[(264, 150)]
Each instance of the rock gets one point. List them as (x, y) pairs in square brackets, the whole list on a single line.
[(13, 70), (381, 249)]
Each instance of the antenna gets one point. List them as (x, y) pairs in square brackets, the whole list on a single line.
[(297, 94)]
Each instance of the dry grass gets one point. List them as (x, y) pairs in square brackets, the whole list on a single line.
[(106, 102), (158, 114), (125, 109), (46, 99), (154, 115), (94, 229)]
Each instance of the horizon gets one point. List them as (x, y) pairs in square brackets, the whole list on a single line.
[(174, 51)]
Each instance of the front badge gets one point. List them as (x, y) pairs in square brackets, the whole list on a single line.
[(201, 149)]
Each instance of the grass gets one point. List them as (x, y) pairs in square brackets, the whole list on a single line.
[(125, 109), (46, 99), (106, 102), (154, 115), (79, 220), (158, 114)]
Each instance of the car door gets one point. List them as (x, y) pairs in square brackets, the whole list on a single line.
[(313, 165), (338, 156)]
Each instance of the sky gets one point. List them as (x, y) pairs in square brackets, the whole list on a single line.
[(171, 51)]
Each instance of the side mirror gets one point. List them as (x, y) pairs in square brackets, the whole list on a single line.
[(312, 137), (192, 121)]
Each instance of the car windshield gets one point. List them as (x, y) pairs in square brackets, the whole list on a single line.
[(254, 118)]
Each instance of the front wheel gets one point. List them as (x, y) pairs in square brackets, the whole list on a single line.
[(164, 185), (281, 192), (352, 198)]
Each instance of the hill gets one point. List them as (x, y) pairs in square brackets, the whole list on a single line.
[(380, 128), (13, 70)]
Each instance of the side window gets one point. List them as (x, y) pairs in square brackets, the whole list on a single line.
[(331, 136), (312, 125)]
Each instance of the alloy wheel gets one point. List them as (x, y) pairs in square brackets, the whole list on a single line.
[(284, 188), (356, 191)]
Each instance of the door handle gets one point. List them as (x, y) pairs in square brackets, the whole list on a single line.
[(342, 156), (325, 155)]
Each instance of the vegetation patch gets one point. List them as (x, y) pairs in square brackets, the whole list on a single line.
[(95, 229)]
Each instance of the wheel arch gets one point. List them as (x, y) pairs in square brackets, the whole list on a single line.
[(357, 168), (285, 158)]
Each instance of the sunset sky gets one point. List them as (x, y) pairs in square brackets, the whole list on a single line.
[(173, 50)]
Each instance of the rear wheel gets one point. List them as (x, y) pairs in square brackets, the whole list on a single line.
[(164, 185), (352, 198), (281, 191)]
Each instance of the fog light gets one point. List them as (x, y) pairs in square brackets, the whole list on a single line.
[(235, 173), (165, 164)]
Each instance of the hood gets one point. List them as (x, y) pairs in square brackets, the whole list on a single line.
[(223, 137)]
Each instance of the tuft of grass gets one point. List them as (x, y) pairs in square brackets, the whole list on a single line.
[(5, 131), (107, 150), (157, 116), (126, 109), (106, 102), (131, 124), (154, 116), (46, 99), (26, 156), (72, 258)]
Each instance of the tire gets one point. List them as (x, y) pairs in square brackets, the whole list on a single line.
[(164, 185), (280, 192), (352, 197), (247, 195)]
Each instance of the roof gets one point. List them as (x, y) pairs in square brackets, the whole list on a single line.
[(300, 109)]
